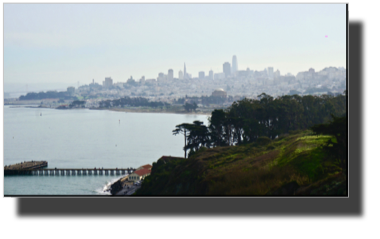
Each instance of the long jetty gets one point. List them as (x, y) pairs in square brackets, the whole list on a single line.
[(39, 168)]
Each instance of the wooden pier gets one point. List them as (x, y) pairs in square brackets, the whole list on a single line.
[(33, 169), (27, 165)]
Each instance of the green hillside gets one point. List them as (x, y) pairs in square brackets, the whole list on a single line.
[(293, 164)]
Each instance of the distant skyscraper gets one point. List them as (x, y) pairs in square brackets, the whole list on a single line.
[(201, 74), (211, 75), (234, 69), (107, 82), (180, 75), (277, 74), (227, 69), (170, 74), (311, 73), (184, 71), (270, 72)]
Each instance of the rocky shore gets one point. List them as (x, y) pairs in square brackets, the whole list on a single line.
[(116, 187)]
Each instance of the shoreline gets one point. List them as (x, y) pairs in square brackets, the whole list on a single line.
[(145, 111), (126, 110)]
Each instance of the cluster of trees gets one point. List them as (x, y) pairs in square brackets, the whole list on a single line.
[(205, 100), (337, 147), (135, 102), (47, 95), (247, 120), (190, 107), (77, 104)]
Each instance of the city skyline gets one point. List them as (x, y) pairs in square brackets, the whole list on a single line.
[(85, 47)]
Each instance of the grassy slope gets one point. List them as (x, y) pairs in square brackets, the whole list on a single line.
[(294, 164)]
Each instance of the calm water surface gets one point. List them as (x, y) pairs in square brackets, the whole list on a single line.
[(85, 139)]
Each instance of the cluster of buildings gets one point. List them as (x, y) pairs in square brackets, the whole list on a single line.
[(234, 82)]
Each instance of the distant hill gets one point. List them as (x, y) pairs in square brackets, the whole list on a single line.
[(293, 164), (47, 95)]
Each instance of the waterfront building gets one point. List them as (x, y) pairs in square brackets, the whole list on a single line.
[(139, 174), (146, 166)]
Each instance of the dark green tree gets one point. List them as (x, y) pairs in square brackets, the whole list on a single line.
[(185, 130), (337, 128)]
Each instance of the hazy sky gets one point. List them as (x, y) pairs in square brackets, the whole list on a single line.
[(67, 43)]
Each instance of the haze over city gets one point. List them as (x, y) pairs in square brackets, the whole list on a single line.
[(63, 44)]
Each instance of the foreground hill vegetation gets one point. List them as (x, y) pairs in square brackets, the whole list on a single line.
[(291, 145), (293, 164)]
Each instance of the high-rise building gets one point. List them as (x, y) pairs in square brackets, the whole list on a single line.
[(70, 89), (107, 82), (211, 75), (161, 77), (184, 71), (234, 69), (180, 75), (201, 75), (277, 74), (270, 72), (170, 74), (227, 69)]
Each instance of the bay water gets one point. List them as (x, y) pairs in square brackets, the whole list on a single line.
[(84, 138)]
